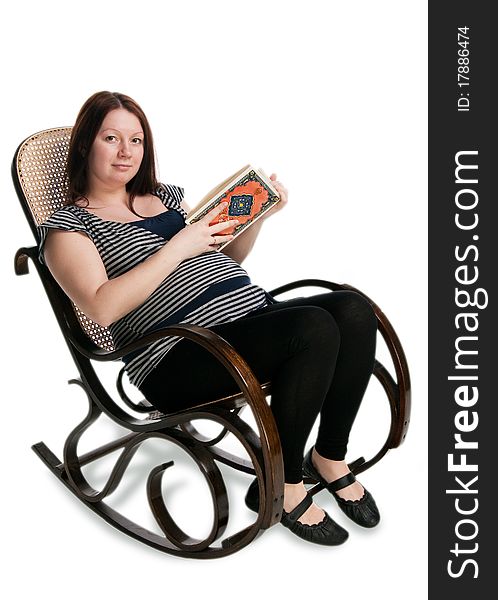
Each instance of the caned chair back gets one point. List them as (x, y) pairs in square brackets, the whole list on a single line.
[(40, 167)]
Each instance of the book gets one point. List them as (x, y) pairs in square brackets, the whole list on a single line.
[(249, 193)]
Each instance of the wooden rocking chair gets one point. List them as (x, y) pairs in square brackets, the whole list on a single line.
[(38, 172)]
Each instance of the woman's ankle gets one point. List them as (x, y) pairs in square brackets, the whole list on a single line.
[(328, 468), (331, 470), (294, 493)]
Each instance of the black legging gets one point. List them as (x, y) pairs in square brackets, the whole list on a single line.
[(318, 352)]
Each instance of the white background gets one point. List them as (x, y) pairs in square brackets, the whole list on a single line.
[(332, 97)]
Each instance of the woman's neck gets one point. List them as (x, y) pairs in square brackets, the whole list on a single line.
[(100, 197)]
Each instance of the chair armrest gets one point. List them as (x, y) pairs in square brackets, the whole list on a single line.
[(187, 330)]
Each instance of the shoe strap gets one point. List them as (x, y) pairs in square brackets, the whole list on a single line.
[(299, 510), (342, 482)]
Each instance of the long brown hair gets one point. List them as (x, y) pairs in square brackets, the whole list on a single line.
[(84, 132)]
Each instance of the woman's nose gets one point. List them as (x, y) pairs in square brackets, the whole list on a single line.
[(124, 149)]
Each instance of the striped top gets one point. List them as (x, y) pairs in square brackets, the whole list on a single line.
[(204, 290)]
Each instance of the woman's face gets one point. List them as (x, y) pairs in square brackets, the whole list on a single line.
[(117, 151)]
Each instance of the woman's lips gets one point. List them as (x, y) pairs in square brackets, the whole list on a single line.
[(122, 167)]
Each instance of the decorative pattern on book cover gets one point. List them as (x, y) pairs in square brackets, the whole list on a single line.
[(248, 198)]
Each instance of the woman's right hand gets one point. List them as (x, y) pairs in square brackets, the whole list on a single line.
[(197, 238)]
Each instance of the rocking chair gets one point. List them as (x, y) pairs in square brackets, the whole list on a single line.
[(38, 172)]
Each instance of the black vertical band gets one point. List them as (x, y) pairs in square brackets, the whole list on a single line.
[(463, 252)]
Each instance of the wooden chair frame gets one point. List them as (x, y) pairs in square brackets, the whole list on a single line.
[(30, 175)]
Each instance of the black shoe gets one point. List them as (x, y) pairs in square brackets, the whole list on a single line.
[(326, 533), (363, 512)]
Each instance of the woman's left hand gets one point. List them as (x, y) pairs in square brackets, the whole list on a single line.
[(282, 190)]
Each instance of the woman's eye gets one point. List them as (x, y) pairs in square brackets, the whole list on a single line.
[(137, 140), (110, 138)]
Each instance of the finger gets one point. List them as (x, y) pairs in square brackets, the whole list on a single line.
[(220, 239), (215, 211), (221, 226)]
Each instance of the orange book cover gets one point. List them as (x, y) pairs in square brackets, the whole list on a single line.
[(249, 194)]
